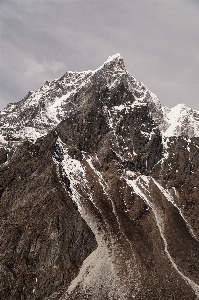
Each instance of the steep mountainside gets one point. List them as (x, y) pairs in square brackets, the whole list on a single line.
[(99, 191)]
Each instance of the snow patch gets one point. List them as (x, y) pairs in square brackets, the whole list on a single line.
[(181, 120)]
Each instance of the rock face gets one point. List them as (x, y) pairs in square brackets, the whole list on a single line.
[(99, 192)]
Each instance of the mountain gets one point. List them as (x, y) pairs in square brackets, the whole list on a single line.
[(99, 192), (181, 121)]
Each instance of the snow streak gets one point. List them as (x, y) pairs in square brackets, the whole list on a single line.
[(141, 187)]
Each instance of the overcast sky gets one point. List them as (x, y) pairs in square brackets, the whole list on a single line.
[(158, 40)]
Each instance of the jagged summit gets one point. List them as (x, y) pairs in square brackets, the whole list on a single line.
[(116, 60), (116, 56), (41, 111)]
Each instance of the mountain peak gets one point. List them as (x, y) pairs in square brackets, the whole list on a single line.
[(181, 121), (115, 60), (181, 106), (116, 56), (41, 111)]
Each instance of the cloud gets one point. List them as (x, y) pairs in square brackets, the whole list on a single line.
[(159, 41), (35, 68)]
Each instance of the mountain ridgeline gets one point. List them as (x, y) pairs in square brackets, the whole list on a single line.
[(99, 192)]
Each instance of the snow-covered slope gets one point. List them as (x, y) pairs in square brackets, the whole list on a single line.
[(181, 121)]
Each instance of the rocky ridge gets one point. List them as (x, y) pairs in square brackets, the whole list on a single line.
[(99, 192), (40, 111)]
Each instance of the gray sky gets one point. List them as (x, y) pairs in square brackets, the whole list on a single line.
[(158, 40)]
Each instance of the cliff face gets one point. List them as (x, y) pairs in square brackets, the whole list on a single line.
[(44, 240), (104, 204)]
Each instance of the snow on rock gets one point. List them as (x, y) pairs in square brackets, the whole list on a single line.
[(75, 173), (181, 121), (141, 186), (41, 111), (44, 109), (169, 197)]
